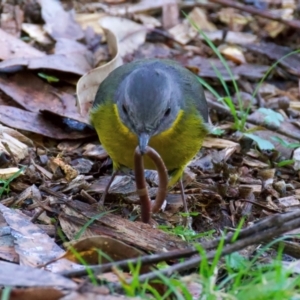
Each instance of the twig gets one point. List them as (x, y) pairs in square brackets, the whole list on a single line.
[(223, 109), (270, 224), (262, 13), (6, 146), (238, 245)]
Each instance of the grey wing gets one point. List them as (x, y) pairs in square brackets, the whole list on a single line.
[(193, 89)]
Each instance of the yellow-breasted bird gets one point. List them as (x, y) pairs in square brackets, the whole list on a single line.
[(151, 102)]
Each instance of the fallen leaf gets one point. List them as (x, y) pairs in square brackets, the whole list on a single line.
[(26, 276), (231, 37), (52, 11), (91, 20), (70, 173), (130, 35), (12, 146), (36, 293), (233, 53), (8, 172), (11, 18), (12, 47), (88, 84), (77, 52), (37, 33), (143, 6), (38, 123), (7, 245), (35, 95), (32, 244), (56, 62), (276, 52), (170, 14), (90, 250)]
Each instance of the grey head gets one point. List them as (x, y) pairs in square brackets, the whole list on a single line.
[(148, 101)]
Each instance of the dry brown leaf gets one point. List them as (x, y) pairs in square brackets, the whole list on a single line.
[(52, 11), (288, 202), (26, 276), (70, 173), (37, 33), (88, 84), (77, 52), (31, 243), (275, 52), (38, 123), (114, 249), (36, 95), (91, 20), (11, 145), (11, 18), (231, 16), (199, 17), (7, 245), (56, 62), (15, 134), (12, 47), (219, 143), (36, 293), (233, 53), (274, 28), (96, 151), (130, 35), (8, 172), (185, 32), (254, 163), (142, 6), (170, 14), (147, 20), (232, 37)]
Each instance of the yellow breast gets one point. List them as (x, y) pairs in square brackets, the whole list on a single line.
[(176, 146)]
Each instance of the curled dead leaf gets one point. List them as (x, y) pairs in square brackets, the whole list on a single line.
[(88, 84)]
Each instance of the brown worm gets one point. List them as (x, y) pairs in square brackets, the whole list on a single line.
[(141, 182)]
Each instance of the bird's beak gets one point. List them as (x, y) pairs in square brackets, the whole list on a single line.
[(143, 142)]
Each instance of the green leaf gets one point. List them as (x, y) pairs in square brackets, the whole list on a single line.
[(236, 261), (285, 143), (286, 162), (217, 131), (261, 143), (271, 116), (48, 77)]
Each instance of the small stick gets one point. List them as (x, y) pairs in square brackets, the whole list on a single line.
[(254, 11), (268, 225)]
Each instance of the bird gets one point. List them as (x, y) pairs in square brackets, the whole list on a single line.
[(151, 102)]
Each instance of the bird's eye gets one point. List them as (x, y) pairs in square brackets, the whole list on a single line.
[(167, 112), (124, 109)]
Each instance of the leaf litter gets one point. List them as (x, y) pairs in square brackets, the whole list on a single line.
[(250, 172)]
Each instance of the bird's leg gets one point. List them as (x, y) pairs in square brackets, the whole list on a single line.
[(187, 218), (183, 197), (113, 175)]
